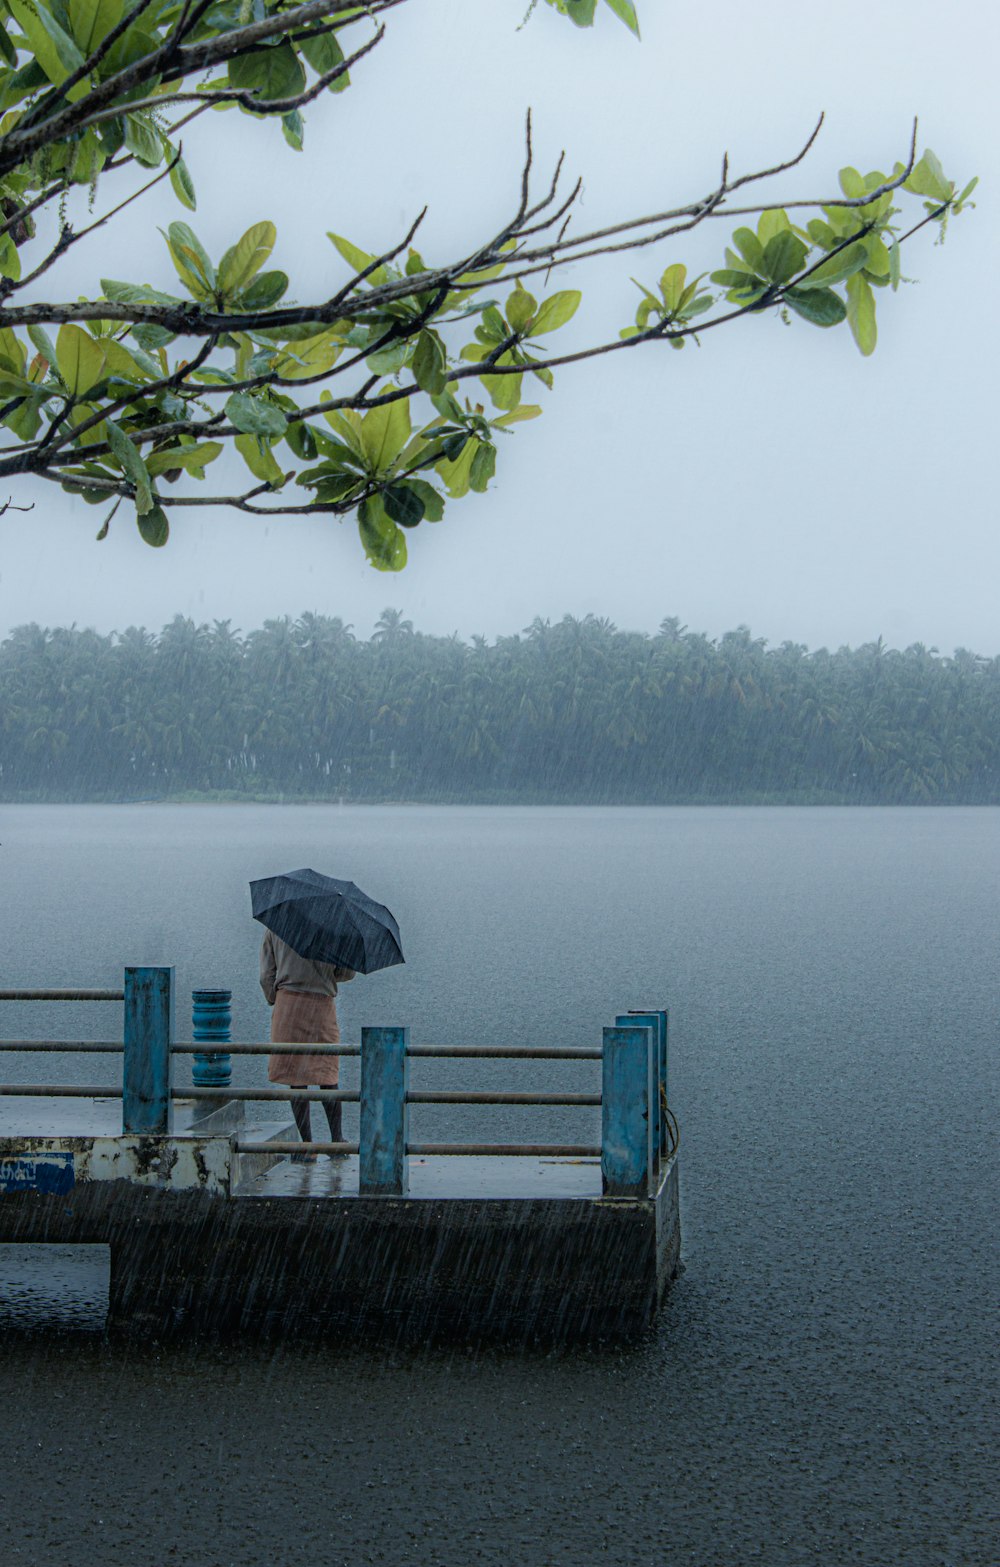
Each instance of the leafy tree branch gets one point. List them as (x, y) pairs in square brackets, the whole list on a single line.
[(422, 364)]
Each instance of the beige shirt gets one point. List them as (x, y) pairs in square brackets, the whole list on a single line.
[(283, 969)]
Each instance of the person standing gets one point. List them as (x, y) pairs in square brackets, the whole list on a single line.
[(302, 997)]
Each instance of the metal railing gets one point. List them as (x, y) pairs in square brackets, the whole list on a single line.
[(638, 1138)]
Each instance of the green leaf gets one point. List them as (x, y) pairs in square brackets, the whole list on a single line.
[(264, 291), (92, 20), (839, 267), (6, 47), (852, 184), (154, 529), (13, 354), (751, 249), (771, 223), (403, 505), (311, 356), (448, 406), (494, 327), (433, 502), (324, 54), (293, 129), (672, 285), (483, 467), (504, 390), (255, 416), (877, 262), (384, 543), (727, 277), (79, 359), (430, 363), (358, 259), (385, 430), (556, 311), (120, 362), (928, 179), (243, 261), (274, 72), (54, 49), (784, 255), (894, 265), (861, 313), (821, 306), (180, 179), (259, 458), (456, 471), (821, 233), (390, 359), (625, 11), (143, 140), (133, 467), (518, 415), (579, 11), (196, 456), (520, 308), (190, 259)]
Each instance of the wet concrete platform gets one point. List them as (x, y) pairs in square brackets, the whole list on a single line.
[(211, 1241), (454, 1176), (54, 1116)]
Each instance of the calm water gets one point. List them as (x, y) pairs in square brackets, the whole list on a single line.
[(823, 1384)]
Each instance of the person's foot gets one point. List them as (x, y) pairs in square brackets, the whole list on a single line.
[(303, 1158)]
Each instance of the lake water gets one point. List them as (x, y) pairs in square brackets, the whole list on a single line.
[(822, 1387)]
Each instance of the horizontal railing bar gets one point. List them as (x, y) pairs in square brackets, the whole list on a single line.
[(485, 1097), (527, 1150), (321, 1095), (62, 995), (80, 1046), (510, 1052), (445, 1052), (276, 1147), (224, 1047), (61, 1090)]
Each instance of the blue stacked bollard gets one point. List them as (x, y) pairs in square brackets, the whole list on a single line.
[(212, 1021)]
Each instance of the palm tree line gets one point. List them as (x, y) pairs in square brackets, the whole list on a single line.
[(575, 710)]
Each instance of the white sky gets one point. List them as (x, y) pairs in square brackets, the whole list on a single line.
[(773, 478)]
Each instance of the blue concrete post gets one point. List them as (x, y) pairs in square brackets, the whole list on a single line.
[(385, 1079), (147, 1107), (212, 1020), (625, 1105), (650, 1020)]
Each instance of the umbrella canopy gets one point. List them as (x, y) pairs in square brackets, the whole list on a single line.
[(327, 921)]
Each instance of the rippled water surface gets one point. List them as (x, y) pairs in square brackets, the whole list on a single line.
[(822, 1388)]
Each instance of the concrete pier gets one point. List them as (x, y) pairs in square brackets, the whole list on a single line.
[(213, 1230), (203, 1241)]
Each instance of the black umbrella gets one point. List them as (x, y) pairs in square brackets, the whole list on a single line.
[(327, 921)]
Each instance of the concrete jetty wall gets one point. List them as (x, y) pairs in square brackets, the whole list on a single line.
[(190, 1254)]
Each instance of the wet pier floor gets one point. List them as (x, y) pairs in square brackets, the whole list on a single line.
[(452, 1175), (434, 1176), (54, 1116)]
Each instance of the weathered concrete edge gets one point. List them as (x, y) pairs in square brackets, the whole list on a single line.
[(54, 1166)]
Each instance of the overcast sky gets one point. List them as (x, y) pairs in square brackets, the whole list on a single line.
[(772, 478)]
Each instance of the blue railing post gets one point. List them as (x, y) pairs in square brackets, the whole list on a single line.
[(626, 1143), (657, 1021), (211, 1021), (147, 1107), (385, 1078)]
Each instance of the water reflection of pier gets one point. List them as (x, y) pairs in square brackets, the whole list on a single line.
[(214, 1224)]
